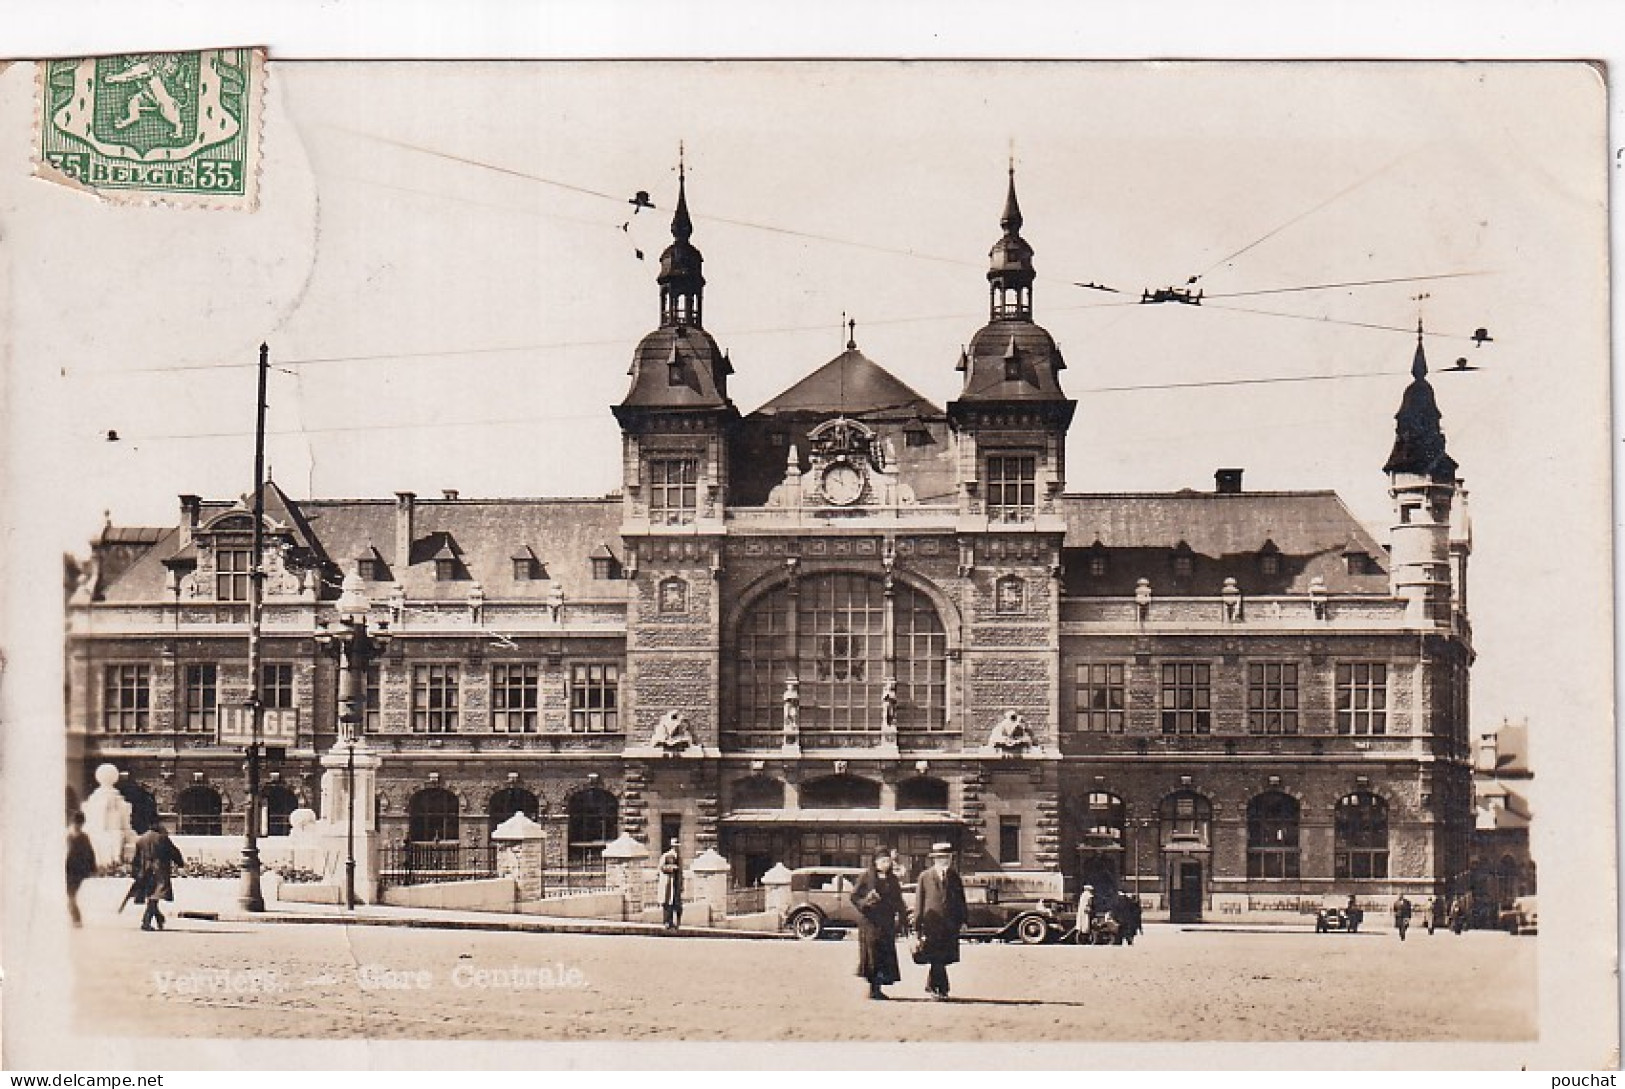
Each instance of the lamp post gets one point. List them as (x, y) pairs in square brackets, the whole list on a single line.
[(357, 641)]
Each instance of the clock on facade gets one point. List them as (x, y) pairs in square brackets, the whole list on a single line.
[(842, 484)]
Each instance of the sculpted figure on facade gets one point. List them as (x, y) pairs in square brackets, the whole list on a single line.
[(672, 734), (1011, 735)]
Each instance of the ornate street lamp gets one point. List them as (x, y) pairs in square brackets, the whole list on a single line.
[(357, 641)]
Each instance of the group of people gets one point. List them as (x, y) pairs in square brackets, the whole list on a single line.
[(1119, 915), (152, 870), (939, 913)]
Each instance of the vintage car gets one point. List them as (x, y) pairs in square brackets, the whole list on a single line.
[(1334, 914), (1007, 906), (1520, 917), (821, 900)]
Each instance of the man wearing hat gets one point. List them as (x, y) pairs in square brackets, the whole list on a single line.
[(670, 889), (939, 910)]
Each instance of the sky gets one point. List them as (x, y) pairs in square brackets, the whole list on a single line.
[(444, 263)]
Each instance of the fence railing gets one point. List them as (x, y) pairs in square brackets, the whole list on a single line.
[(571, 880), (429, 863)]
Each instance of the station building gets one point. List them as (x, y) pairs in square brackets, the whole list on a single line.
[(848, 619)]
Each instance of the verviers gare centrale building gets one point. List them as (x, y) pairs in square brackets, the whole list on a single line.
[(846, 620)]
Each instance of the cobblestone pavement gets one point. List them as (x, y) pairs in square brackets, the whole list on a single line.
[(203, 979)]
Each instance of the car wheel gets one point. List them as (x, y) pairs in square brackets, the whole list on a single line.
[(1032, 930), (806, 925)]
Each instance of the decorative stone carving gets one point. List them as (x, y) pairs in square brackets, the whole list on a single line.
[(107, 818), (1011, 736), (792, 712), (672, 734)]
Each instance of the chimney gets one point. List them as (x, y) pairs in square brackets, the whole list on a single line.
[(191, 506), (448, 493), (404, 502), (1227, 481)]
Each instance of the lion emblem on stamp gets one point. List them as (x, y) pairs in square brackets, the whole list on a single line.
[(154, 128)]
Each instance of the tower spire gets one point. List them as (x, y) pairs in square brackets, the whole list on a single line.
[(1010, 272), (682, 284), (1419, 444)]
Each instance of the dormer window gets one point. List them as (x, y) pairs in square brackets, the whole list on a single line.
[(367, 567), (604, 564), (445, 570), (231, 568), (526, 567), (1184, 561), (1269, 564)]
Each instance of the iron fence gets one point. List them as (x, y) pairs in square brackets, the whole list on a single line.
[(430, 863), (747, 901)]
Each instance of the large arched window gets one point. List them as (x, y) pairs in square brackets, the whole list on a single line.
[(432, 815), (594, 821), (197, 812), (830, 632), (1272, 835), (922, 792), (1362, 836), (758, 792), (510, 800), (840, 792)]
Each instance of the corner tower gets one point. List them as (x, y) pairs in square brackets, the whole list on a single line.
[(1422, 483), (1011, 416)]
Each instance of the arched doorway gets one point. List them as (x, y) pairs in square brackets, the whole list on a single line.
[(197, 812), (1361, 837), (1185, 820)]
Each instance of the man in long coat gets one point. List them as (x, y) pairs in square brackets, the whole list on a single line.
[(153, 866), (940, 912), (669, 891)]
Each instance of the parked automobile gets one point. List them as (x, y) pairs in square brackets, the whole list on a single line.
[(1332, 915), (821, 900), (1520, 917), (1007, 906)]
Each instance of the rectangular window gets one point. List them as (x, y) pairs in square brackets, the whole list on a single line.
[(1010, 487), (1102, 697), (1187, 698), (515, 697), (1272, 698), (1010, 840), (671, 829), (436, 699), (595, 692), (276, 686), (372, 708), (201, 697), (126, 698), (231, 567), (1362, 698), (673, 499), (369, 569), (1097, 566)]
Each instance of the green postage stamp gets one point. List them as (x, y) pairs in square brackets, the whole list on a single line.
[(179, 129)]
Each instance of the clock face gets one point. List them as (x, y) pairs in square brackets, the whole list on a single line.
[(843, 484)]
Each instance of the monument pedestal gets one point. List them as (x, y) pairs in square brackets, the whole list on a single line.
[(342, 764)]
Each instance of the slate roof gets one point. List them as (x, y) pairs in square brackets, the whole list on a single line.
[(855, 385), (1225, 532), (483, 534)]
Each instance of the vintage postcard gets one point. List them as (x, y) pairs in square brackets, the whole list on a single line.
[(597, 563)]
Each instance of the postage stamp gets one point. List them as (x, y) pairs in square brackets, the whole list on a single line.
[(178, 129)]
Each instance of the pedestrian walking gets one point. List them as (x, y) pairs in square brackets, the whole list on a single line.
[(1458, 915), (1402, 915), (81, 864), (878, 896), (1354, 915), (669, 891), (939, 913), (156, 858), (1430, 918)]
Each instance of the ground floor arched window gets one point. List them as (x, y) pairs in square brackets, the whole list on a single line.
[(594, 820), (1272, 836), (1361, 836), (432, 816), (510, 800), (197, 812), (279, 802)]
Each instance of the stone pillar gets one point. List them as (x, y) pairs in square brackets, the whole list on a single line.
[(623, 866), (777, 883), (709, 873), (521, 855), (333, 829), (107, 818)]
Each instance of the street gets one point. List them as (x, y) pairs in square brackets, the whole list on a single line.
[(204, 979)]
